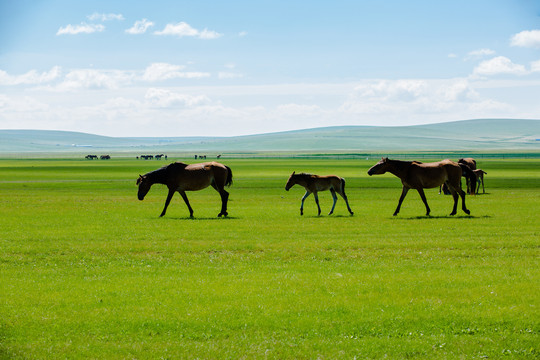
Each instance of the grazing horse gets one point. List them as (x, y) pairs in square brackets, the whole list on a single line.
[(183, 177), (314, 183), (419, 176), (471, 163), (480, 178)]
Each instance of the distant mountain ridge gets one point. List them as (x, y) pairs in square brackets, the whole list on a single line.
[(466, 135)]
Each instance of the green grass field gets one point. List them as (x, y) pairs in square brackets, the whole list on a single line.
[(88, 271)]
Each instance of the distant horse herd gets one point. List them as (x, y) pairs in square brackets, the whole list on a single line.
[(95, 157), (180, 177)]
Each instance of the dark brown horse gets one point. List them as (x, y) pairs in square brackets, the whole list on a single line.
[(419, 176), (183, 177), (471, 163), (314, 183)]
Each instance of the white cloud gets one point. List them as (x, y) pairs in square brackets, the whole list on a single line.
[(164, 71), (140, 27), (83, 28), (242, 33), (209, 34), (165, 98), (535, 66), (183, 29), (21, 105), (529, 39), (105, 17), (94, 79), (399, 90), (479, 53), (499, 65), (32, 77), (393, 100)]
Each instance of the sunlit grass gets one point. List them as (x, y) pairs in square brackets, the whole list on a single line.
[(88, 271)]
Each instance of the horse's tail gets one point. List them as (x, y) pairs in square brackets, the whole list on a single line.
[(343, 185), (228, 182), (470, 175)]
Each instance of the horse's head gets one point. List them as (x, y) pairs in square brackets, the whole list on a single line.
[(291, 182), (379, 168), (144, 186)]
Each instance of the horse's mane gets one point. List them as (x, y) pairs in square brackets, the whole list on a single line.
[(160, 174), (176, 165)]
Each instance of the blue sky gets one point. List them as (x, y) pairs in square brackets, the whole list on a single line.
[(189, 68)]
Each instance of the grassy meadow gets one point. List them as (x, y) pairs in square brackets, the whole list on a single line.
[(89, 272)]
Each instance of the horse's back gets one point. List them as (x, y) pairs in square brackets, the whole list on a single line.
[(431, 175), (326, 182), (206, 166)]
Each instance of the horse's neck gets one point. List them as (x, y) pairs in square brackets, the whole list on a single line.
[(158, 176), (399, 168), (303, 180)]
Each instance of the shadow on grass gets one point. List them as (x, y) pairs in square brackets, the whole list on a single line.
[(441, 217), (223, 218), (324, 216)]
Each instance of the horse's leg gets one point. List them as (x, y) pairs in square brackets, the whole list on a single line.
[(304, 198), (483, 189), (463, 207), (404, 192), (169, 197), (334, 196), (342, 193), (224, 198), (423, 197), (317, 202), (184, 196)]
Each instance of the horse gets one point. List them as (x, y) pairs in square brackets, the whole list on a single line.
[(420, 176), (480, 178), (315, 183), (471, 163), (183, 177)]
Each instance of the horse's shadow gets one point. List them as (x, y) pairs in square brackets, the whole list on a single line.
[(207, 218), (424, 217)]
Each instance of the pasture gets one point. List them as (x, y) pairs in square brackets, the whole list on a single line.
[(88, 271)]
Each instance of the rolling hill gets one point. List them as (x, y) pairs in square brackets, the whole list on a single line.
[(468, 135)]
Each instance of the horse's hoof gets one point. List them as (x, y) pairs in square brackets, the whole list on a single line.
[(351, 213), (467, 212)]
